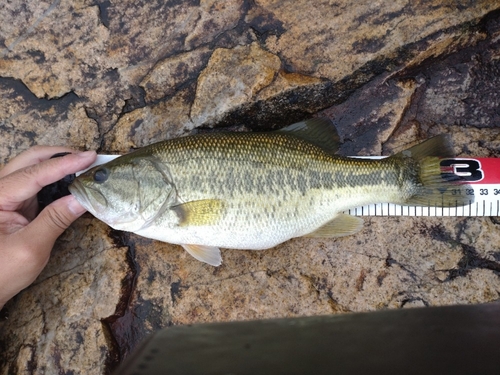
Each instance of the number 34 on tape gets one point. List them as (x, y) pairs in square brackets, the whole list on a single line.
[(483, 178)]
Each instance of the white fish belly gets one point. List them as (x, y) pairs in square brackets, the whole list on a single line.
[(260, 224), (213, 236)]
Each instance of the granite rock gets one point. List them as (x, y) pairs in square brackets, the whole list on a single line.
[(114, 76), (60, 323)]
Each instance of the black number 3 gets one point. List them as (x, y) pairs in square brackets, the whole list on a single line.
[(467, 169)]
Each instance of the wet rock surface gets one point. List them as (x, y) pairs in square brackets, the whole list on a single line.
[(115, 76)]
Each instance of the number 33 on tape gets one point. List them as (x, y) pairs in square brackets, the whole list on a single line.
[(482, 176)]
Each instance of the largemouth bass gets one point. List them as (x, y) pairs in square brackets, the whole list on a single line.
[(257, 190)]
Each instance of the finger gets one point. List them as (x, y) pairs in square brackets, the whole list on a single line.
[(28, 248), (51, 223), (27, 182), (34, 155)]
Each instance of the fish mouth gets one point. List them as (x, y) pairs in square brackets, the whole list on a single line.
[(79, 191)]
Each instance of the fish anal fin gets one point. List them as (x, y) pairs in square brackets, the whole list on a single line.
[(206, 254), (318, 131), (341, 225), (201, 212)]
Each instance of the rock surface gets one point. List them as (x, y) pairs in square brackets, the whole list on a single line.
[(113, 76)]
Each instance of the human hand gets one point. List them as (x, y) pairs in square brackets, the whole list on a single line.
[(26, 239)]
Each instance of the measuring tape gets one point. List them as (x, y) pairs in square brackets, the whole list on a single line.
[(483, 186)]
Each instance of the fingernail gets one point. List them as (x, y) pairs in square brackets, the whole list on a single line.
[(76, 208), (86, 154)]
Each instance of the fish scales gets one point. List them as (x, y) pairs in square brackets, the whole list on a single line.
[(277, 183), (271, 160), (246, 190)]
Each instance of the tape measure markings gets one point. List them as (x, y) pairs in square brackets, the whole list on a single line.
[(482, 176)]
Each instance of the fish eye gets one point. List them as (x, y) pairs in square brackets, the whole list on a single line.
[(101, 175)]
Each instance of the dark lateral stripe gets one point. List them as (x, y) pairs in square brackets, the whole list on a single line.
[(354, 179)]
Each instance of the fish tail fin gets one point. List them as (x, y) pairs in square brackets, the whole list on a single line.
[(434, 185)]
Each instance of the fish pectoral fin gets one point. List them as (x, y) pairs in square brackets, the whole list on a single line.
[(201, 212), (319, 131), (206, 254), (341, 225)]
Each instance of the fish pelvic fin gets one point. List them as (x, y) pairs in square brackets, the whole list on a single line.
[(206, 254), (342, 225), (434, 186)]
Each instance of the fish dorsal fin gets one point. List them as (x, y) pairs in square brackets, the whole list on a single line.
[(341, 225), (206, 254), (201, 212), (318, 131)]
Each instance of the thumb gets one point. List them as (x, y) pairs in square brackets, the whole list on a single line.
[(54, 220)]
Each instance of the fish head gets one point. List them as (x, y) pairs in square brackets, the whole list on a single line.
[(126, 193)]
